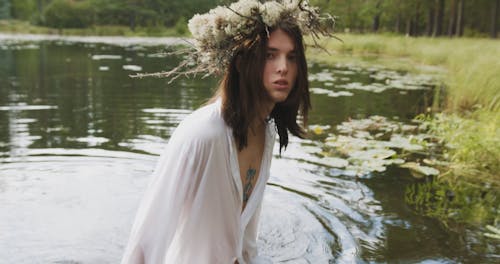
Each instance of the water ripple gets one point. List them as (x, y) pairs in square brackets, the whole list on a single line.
[(60, 206)]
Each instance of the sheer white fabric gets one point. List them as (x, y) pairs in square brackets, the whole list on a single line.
[(191, 211)]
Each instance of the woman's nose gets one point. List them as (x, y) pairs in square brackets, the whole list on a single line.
[(282, 65)]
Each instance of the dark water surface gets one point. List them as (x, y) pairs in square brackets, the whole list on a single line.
[(79, 139)]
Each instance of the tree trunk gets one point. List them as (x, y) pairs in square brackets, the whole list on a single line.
[(376, 22), (460, 18), (438, 18), (494, 18), (430, 19), (416, 19), (376, 18), (132, 12), (409, 27), (397, 27), (132, 19), (453, 18), (39, 4)]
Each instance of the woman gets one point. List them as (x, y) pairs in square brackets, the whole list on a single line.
[(204, 201)]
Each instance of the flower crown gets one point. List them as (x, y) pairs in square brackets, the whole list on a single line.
[(220, 33)]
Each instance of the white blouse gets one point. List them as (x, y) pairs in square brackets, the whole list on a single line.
[(191, 211)]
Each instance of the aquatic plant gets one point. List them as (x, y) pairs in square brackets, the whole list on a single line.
[(471, 174), (372, 144), (473, 146), (453, 203), (470, 127)]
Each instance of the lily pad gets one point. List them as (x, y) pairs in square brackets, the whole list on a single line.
[(373, 87), (371, 154), (334, 162), (322, 77), (329, 93), (400, 142), (132, 67), (106, 57), (419, 171)]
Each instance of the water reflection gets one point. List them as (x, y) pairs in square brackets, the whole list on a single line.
[(78, 140)]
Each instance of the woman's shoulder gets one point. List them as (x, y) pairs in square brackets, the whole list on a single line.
[(204, 124)]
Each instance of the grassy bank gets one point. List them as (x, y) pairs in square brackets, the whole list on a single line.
[(472, 64), (24, 27), (470, 122)]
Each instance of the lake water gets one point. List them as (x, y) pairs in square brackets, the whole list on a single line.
[(79, 140)]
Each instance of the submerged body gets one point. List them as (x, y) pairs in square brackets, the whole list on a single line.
[(192, 210)]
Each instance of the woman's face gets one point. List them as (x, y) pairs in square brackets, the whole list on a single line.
[(280, 70)]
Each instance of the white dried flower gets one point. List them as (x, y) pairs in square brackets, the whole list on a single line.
[(271, 12), (245, 7)]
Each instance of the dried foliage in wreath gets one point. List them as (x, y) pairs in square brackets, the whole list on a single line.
[(222, 31)]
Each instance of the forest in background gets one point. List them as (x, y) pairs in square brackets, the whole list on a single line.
[(472, 18)]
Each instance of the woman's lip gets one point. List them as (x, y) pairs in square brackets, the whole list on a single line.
[(281, 82), (281, 86)]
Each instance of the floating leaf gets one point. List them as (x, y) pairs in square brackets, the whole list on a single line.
[(334, 162), (106, 57), (329, 93), (400, 142), (495, 232), (371, 154), (418, 171), (132, 67), (322, 77), (433, 162)]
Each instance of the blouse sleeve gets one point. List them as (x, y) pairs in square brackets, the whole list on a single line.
[(174, 183)]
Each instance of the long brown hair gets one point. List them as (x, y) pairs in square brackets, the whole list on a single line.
[(243, 92)]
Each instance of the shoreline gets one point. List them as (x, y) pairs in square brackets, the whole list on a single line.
[(110, 40)]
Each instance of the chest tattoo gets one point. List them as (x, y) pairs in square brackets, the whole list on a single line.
[(248, 186)]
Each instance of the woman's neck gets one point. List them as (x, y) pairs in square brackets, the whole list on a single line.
[(259, 123)]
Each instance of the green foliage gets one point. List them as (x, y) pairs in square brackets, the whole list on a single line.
[(401, 16), (147, 13), (4, 9), (467, 191), (68, 14), (181, 26), (454, 203), (412, 17), (19, 26), (473, 146), (157, 14), (23, 9)]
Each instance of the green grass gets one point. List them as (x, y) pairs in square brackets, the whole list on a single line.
[(472, 64), (474, 146), (24, 27)]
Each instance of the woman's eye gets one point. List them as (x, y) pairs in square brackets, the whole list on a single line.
[(292, 57), (270, 56)]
